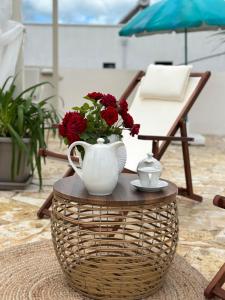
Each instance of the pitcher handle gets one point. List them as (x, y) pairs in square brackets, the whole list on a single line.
[(76, 169)]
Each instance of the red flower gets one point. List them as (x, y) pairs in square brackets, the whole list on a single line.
[(67, 118), (108, 100), (72, 137), (72, 125), (127, 120), (76, 123), (63, 125), (62, 130), (135, 129), (95, 95), (123, 106), (110, 115)]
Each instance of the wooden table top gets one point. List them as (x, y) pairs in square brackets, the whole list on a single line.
[(72, 189)]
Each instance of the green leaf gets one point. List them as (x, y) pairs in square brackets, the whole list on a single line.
[(85, 136), (17, 138), (20, 122), (77, 108), (19, 161), (33, 88), (7, 80)]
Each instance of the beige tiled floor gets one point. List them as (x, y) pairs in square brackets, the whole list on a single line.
[(202, 226)]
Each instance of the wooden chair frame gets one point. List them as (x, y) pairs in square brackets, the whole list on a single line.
[(158, 151), (215, 286)]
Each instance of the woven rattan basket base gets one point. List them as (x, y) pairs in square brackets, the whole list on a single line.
[(128, 247), (32, 272)]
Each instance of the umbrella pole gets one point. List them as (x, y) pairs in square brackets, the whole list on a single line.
[(186, 46)]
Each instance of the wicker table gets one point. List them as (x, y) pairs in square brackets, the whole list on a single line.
[(118, 246)]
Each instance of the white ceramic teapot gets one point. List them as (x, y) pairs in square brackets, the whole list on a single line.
[(100, 168), (149, 170)]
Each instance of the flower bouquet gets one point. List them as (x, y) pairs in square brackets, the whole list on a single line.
[(103, 116)]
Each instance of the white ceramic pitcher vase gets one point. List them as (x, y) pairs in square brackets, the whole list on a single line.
[(100, 168)]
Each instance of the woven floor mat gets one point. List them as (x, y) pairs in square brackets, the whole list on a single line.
[(32, 271)]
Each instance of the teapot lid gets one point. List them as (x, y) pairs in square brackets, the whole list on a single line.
[(150, 163)]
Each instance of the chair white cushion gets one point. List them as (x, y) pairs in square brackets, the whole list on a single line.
[(165, 82), (156, 118)]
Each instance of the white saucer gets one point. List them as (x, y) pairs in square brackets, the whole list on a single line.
[(161, 185)]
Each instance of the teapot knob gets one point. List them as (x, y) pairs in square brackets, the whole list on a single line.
[(100, 141), (149, 158), (149, 155)]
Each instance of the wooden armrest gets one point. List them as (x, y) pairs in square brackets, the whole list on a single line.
[(165, 138), (44, 152), (219, 201), (54, 126)]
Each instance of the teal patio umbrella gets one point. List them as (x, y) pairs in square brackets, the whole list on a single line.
[(179, 16)]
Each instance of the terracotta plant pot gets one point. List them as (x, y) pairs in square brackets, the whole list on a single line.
[(24, 175)]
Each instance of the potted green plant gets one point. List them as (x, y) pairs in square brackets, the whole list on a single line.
[(22, 132)]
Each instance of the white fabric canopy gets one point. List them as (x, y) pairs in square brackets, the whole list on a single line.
[(5, 13), (11, 37)]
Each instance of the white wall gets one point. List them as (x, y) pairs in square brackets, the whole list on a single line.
[(77, 83), (87, 47), (83, 49), (207, 115)]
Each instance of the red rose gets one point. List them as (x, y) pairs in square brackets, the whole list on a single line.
[(95, 95), (123, 106), (66, 118), (135, 129), (127, 120), (108, 100), (72, 125), (62, 130), (110, 115), (72, 137), (76, 123), (63, 125)]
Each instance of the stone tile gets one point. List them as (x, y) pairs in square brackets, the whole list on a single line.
[(21, 232), (206, 260), (34, 198), (220, 237), (12, 211)]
